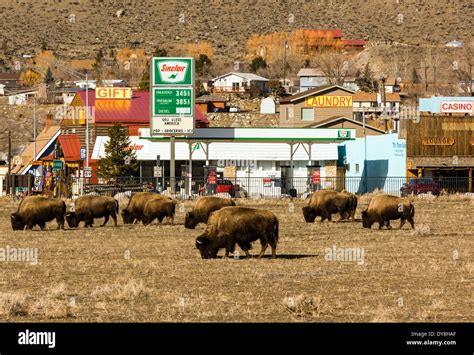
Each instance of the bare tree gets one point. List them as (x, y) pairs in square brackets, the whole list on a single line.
[(335, 65)]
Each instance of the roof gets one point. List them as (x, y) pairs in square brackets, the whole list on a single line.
[(336, 33), (136, 110), (46, 137), (211, 98), (248, 76), (336, 119), (310, 72), (372, 96), (71, 146), (317, 90)]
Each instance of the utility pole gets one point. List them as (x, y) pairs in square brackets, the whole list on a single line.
[(9, 161), (284, 66), (87, 120), (384, 110), (34, 128)]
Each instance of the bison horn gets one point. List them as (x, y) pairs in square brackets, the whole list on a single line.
[(198, 241)]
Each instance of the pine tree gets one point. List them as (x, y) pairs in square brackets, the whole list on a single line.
[(366, 81), (117, 152), (257, 63), (160, 52), (48, 77), (415, 78), (202, 64)]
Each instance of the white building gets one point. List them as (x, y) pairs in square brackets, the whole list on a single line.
[(239, 82)]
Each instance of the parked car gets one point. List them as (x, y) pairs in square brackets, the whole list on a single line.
[(234, 109), (420, 186), (223, 186)]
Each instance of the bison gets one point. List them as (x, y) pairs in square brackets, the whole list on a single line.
[(136, 205), (352, 204), (38, 210), (238, 225), (383, 208), (326, 202), (203, 208), (86, 208), (159, 208)]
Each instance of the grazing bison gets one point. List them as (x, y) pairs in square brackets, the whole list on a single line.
[(159, 208), (136, 205), (86, 208), (238, 225), (383, 208), (326, 202), (38, 210), (352, 204), (203, 208)]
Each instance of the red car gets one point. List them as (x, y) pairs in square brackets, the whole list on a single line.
[(223, 186), (420, 186)]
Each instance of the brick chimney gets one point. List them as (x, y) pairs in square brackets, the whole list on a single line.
[(49, 120)]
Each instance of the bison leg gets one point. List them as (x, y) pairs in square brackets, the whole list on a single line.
[(262, 250), (412, 223), (42, 226), (273, 251), (114, 217), (388, 225), (106, 220), (402, 222)]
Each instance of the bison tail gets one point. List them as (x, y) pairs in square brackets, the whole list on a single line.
[(275, 229), (117, 204)]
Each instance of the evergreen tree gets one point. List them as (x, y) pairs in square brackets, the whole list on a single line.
[(202, 64), (276, 88), (48, 77), (117, 153), (160, 52), (257, 63), (366, 81), (145, 81)]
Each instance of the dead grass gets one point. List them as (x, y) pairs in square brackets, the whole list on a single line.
[(155, 274)]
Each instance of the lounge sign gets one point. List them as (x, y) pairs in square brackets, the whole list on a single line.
[(438, 141), (328, 101), (113, 93)]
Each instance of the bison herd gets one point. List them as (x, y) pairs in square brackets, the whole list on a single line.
[(227, 225)]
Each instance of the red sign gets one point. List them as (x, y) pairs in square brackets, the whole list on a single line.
[(316, 177), (212, 178), (457, 106)]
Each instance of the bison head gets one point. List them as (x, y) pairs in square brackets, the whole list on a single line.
[(366, 222), (17, 222), (205, 246), (72, 220), (127, 217), (189, 221), (309, 214)]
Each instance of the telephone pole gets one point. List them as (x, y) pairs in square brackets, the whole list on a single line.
[(9, 160)]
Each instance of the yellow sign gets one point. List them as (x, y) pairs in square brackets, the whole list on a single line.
[(438, 141), (329, 101), (113, 93)]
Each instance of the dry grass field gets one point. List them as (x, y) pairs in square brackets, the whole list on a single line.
[(155, 274)]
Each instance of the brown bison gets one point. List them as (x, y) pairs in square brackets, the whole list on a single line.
[(203, 208), (86, 208), (238, 225), (353, 200), (326, 202), (383, 208), (136, 205), (38, 210), (159, 208)]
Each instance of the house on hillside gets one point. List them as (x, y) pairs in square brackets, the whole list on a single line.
[(10, 82), (311, 78), (372, 103), (239, 82)]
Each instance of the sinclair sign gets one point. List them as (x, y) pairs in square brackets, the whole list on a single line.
[(172, 71)]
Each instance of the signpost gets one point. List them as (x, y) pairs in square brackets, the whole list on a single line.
[(87, 172), (172, 101), (57, 165), (83, 153)]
